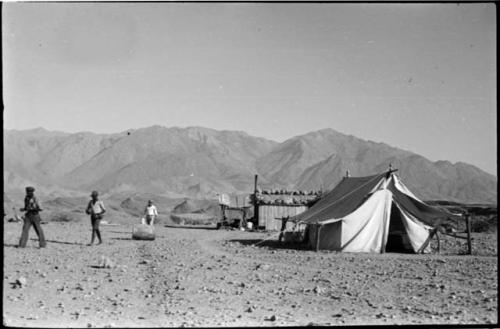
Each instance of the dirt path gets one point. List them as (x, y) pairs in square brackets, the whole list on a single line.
[(200, 277)]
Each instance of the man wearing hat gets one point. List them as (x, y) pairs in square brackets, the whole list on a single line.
[(95, 209), (32, 208), (150, 212)]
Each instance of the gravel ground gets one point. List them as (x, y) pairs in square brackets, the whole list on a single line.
[(219, 278)]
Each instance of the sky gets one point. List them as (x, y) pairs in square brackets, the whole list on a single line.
[(421, 77)]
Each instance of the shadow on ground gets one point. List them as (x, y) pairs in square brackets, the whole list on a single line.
[(272, 244), (194, 227), (62, 242)]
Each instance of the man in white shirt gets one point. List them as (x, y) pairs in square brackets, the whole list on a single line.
[(96, 210), (150, 212)]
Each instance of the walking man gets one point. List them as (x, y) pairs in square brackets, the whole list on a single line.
[(32, 208), (95, 209), (150, 212)]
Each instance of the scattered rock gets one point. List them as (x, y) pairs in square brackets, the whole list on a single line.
[(21, 282), (313, 324), (317, 290), (264, 267), (106, 262)]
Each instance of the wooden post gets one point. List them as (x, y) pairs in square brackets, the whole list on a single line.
[(469, 242), (223, 209), (428, 240), (255, 203), (438, 243), (318, 230)]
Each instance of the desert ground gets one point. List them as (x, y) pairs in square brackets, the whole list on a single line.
[(192, 277)]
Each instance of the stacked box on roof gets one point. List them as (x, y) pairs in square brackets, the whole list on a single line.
[(272, 205)]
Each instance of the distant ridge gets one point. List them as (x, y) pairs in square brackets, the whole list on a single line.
[(200, 162)]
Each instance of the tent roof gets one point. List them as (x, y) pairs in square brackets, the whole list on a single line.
[(425, 213), (351, 192), (347, 196)]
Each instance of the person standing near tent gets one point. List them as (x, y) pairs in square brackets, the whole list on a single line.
[(284, 220), (32, 208), (96, 210), (150, 212)]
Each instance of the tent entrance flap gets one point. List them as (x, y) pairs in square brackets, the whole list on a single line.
[(397, 240)]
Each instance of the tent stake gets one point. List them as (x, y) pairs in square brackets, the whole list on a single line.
[(469, 242)]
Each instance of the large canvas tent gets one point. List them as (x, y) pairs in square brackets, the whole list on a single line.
[(371, 214)]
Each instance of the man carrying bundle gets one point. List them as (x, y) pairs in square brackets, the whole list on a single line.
[(32, 207), (95, 209)]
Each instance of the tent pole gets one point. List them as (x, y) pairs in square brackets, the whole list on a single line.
[(318, 230), (469, 242), (428, 240), (438, 243), (255, 203)]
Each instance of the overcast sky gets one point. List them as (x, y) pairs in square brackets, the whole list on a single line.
[(421, 77)]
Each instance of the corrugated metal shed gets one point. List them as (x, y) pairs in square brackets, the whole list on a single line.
[(269, 213)]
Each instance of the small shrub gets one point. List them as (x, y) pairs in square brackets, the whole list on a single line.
[(163, 220), (193, 219), (481, 224)]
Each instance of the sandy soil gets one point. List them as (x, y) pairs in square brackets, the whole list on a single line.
[(203, 277)]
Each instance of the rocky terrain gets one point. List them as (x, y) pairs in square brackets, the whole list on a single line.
[(200, 276), (220, 278), (199, 162)]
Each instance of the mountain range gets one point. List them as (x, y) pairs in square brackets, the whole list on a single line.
[(199, 162)]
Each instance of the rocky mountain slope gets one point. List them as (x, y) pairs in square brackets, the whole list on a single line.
[(338, 153), (200, 162)]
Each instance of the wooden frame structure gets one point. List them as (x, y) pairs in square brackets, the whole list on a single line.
[(435, 232), (270, 216)]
